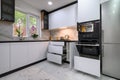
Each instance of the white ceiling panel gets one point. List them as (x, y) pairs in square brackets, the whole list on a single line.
[(43, 4)]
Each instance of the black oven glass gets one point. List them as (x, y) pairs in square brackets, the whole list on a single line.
[(88, 50)]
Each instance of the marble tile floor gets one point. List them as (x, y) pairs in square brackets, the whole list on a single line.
[(50, 71)]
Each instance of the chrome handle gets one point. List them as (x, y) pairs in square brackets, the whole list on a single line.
[(102, 50), (88, 44)]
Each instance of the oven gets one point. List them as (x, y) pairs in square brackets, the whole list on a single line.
[(88, 49), (89, 38)]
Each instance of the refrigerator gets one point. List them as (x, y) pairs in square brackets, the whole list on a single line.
[(110, 20)]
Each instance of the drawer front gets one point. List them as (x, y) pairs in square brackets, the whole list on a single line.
[(91, 66), (54, 58), (57, 43), (55, 49)]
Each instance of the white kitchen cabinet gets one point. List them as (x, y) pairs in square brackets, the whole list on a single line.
[(54, 58), (4, 57), (55, 52), (18, 55), (37, 51), (57, 43), (88, 10), (55, 49), (87, 65), (64, 17)]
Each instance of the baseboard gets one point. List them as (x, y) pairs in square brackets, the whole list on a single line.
[(110, 76), (23, 67)]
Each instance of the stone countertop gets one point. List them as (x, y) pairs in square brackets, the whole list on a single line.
[(65, 40), (12, 41)]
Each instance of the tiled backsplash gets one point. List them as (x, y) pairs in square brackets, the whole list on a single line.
[(45, 34), (58, 33)]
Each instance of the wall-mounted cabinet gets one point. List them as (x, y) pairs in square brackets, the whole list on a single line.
[(88, 10), (7, 9), (64, 17), (44, 19)]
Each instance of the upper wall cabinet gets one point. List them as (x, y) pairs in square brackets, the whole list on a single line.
[(44, 20), (7, 9), (64, 17), (88, 10)]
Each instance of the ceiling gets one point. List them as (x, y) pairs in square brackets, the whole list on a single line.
[(43, 4)]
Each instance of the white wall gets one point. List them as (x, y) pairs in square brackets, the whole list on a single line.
[(25, 7), (6, 29)]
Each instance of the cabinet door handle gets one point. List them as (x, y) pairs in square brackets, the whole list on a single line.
[(102, 50)]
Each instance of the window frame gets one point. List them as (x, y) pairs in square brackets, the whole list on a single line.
[(38, 24), (28, 24)]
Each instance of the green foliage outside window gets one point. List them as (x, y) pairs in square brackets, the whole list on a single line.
[(19, 27)]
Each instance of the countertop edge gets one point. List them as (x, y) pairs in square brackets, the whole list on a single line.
[(37, 41), (23, 41)]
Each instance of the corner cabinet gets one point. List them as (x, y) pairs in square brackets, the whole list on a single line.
[(44, 20), (37, 51), (7, 10), (88, 10)]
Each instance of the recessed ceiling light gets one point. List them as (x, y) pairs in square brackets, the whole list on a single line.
[(50, 3)]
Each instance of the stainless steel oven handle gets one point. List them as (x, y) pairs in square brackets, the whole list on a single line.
[(88, 44)]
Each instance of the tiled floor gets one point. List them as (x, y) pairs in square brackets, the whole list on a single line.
[(50, 71)]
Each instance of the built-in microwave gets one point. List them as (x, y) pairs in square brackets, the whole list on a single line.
[(89, 31)]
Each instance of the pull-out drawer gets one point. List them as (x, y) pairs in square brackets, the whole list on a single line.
[(55, 49), (87, 65), (57, 43), (54, 58)]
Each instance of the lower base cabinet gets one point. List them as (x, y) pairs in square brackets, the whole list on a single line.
[(26, 53), (4, 57), (87, 65), (37, 51), (18, 54), (54, 58)]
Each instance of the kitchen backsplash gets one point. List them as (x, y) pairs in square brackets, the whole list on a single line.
[(45, 34), (57, 34)]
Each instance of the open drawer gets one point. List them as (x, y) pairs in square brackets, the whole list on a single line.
[(55, 49), (54, 58)]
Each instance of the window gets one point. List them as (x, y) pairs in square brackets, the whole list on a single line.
[(25, 25), (33, 26), (19, 27)]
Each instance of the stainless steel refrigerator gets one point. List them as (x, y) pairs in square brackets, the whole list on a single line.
[(111, 38)]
